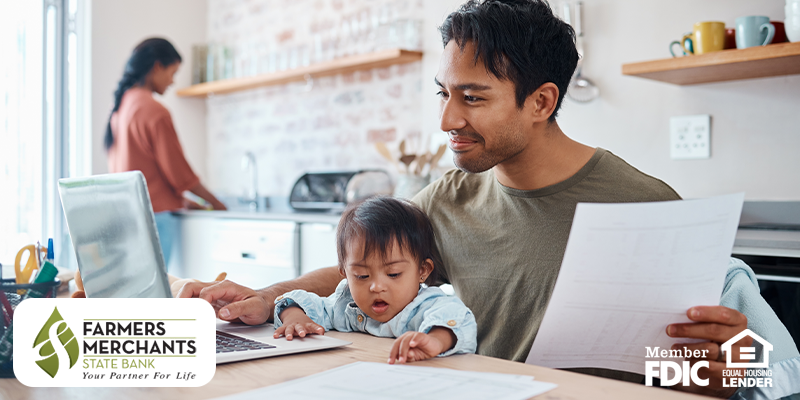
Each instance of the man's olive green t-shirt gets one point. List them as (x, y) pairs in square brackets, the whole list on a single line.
[(502, 247)]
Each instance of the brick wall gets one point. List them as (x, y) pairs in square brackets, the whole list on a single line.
[(294, 128)]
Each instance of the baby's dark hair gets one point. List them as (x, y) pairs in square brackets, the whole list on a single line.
[(382, 219)]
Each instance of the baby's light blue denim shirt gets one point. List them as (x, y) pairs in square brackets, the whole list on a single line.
[(432, 307)]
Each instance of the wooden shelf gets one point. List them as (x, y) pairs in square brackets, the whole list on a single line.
[(378, 59), (726, 65)]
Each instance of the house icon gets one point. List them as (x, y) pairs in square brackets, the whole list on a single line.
[(746, 353)]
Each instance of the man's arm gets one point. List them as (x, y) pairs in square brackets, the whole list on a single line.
[(234, 302)]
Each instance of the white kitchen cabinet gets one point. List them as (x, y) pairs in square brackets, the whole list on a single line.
[(191, 258), (317, 246), (254, 253)]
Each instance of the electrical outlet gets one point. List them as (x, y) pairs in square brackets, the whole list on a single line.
[(690, 137)]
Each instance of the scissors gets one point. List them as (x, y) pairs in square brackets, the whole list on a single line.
[(34, 253)]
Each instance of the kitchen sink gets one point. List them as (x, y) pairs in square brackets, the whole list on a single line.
[(241, 204)]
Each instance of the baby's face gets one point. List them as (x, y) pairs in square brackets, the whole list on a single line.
[(383, 287)]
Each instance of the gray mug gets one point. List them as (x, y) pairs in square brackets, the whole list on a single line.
[(753, 31)]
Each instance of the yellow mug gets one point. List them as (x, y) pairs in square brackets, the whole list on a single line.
[(706, 37)]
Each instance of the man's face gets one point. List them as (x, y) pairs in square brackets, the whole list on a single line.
[(479, 112)]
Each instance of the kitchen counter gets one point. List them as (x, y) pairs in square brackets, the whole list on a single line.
[(294, 216), (777, 233), (270, 209), (773, 243)]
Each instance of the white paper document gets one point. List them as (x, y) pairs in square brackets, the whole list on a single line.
[(370, 381), (629, 270)]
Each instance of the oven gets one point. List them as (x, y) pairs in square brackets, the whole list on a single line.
[(768, 240), (779, 281)]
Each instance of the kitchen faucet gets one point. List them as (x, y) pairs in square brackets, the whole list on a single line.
[(249, 163)]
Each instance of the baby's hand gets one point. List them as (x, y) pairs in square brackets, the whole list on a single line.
[(296, 322), (418, 346)]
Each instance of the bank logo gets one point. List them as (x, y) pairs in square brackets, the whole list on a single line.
[(56, 345), (746, 354), (114, 343)]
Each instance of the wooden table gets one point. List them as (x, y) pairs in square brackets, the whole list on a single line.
[(247, 375)]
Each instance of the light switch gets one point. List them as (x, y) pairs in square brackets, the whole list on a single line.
[(690, 137)]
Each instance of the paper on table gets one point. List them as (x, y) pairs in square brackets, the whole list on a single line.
[(482, 375), (369, 381), (629, 270)]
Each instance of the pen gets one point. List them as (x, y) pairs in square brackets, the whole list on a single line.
[(38, 255), (50, 251)]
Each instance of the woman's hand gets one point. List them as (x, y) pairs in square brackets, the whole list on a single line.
[(296, 322), (204, 194), (418, 346), (192, 205)]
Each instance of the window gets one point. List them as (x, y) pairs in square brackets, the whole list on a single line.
[(44, 132)]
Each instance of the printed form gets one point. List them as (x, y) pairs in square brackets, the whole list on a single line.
[(629, 270), (370, 381)]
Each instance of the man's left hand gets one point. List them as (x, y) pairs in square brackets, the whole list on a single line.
[(717, 324)]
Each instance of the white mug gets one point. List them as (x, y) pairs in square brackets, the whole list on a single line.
[(792, 22)]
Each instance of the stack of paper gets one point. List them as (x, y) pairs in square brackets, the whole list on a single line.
[(369, 381), (629, 271)]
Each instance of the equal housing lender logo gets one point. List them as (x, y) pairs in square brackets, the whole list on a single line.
[(742, 369), (114, 342)]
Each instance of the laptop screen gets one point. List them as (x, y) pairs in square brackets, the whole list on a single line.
[(114, 235)]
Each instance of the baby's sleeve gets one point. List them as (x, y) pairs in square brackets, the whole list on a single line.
[(449, 312), (319, 309)]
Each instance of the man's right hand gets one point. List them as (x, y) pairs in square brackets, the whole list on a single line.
[(236, 303), (232, 302)]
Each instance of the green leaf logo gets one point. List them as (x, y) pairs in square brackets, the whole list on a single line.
[(52, 351)]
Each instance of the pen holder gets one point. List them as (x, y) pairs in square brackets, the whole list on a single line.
[(11, 294)]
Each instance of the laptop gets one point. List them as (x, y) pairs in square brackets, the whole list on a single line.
[(113, 230)]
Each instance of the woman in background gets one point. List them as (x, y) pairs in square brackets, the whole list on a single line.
[(140, 136)]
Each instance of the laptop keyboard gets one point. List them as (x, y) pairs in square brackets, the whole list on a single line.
[(227, 343)]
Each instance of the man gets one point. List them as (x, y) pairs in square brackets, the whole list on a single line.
[(502, 220)]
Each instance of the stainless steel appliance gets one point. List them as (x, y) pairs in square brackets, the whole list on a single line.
[(768, 240), (332, 191)]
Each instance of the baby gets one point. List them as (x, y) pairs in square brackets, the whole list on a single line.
[(386, 251)]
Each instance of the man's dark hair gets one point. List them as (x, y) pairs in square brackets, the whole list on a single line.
[(378, 221), (517, 40)]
